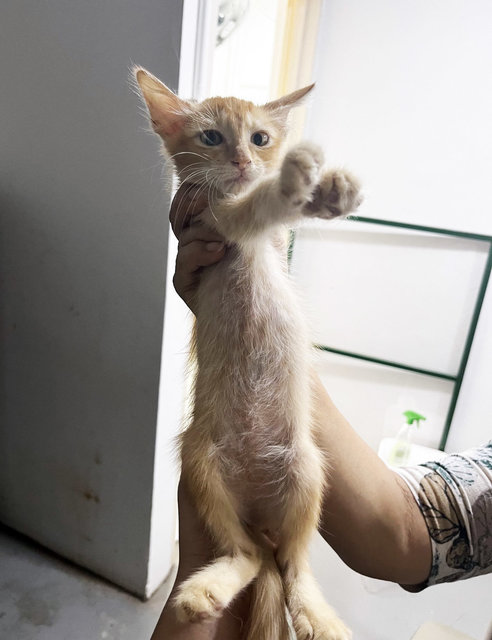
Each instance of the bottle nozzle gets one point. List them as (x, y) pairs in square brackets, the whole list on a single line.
[(412, 417)]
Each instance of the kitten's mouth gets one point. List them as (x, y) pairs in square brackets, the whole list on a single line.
[(239, 181)]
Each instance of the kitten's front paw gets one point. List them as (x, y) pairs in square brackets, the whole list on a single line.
[(197, 601), (300, 172), (337, 194)]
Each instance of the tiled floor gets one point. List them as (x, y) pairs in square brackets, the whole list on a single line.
[(43, 597)]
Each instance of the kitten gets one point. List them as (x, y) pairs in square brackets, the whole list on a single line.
[(249, 455)]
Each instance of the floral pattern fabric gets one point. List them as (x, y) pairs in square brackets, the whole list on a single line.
[(455, 497)]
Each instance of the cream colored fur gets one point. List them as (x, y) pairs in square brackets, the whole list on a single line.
[(248, 454)]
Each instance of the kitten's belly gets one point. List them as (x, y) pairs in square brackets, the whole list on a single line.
[(252, 353), (252, 384), (260, 480)]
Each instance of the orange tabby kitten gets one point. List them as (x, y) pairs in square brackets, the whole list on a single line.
[(249, 455)]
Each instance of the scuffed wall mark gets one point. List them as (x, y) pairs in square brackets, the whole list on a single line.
[(90, 495), (36, 611)]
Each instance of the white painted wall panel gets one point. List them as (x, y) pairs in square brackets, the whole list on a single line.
[(404, 97), (388, 293), (373, 398), (83, 264), (472, 424)]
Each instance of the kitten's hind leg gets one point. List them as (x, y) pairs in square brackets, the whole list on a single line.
[(311, 616), (211, 589)]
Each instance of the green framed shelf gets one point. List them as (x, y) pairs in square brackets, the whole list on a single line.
[(457, 379)]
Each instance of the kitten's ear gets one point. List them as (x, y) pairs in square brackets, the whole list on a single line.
[(168, 113), (283, 105)]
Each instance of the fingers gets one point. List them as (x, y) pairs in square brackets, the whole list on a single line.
[(200, 233), (198, 246), (189, 201), (190, 259), (196, 254)]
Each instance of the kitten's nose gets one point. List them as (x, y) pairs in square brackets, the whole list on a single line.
[(241, 164)]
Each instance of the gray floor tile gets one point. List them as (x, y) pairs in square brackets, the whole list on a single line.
[(42, 597)]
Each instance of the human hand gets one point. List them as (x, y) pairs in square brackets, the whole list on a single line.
[(198, 245)]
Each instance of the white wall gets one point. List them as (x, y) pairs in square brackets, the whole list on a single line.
[(402, 297), (471, 422), (83, 265), (404, 96), (248, 76), (404, 99)]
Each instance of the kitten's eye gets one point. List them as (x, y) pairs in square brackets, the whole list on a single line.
[(260, 138), (211, 137)]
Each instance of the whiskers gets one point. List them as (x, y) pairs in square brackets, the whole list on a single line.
[(203, 156)]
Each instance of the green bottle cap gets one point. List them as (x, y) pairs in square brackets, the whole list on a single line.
[(412, 417)]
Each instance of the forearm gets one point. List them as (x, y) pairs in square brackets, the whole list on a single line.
[(369, 515)]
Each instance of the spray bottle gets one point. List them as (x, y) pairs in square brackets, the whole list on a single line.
[(401, 449)]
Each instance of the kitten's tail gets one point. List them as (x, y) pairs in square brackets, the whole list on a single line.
[(268, 619)]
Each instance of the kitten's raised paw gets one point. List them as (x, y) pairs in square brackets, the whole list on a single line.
[(337, 194), (196, 601), (300, 172)]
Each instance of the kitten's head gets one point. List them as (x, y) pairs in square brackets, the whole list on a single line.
[(224, 142)]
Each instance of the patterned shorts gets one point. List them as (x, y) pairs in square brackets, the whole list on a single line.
[(455, 497)]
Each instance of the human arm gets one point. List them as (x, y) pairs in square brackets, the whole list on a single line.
[(369, 515)]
